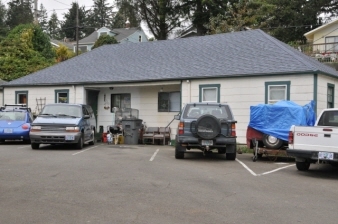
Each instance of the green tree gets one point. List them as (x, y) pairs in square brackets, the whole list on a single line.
[(199, 12), (161, 16), (100, 15), (103, 40), (25, 50), (3, 26), (126, 11), (19, 12), (69, 25), (53, 28), (43, 18)]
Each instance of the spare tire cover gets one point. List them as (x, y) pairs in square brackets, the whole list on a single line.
[(208, 127)]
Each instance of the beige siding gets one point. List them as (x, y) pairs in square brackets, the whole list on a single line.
[(36, 95), (323, 80), (242, 93), (319, 36)]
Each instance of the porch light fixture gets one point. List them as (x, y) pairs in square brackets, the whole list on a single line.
[(161, 90)]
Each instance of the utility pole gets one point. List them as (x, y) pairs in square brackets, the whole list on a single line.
[(36, 12), (77, 29)]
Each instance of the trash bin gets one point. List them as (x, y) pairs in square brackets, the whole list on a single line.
[(131, 129)]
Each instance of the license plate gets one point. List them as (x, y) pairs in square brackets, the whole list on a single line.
[(69, 137), (325, 155), (207, 142), (8, 130)]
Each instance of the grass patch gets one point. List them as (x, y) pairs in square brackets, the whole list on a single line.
[(244, 149)]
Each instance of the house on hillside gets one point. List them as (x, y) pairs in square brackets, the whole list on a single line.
[(122, 35), (323, 42), (157, 78), (66, 42)]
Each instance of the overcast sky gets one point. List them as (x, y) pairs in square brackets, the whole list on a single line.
[(62, 6)]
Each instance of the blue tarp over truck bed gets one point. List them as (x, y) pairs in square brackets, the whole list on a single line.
[(276, 119)]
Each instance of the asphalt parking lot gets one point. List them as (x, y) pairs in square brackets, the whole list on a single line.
[(146, 184)]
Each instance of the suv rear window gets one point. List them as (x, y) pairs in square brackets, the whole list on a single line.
[(195, 111)]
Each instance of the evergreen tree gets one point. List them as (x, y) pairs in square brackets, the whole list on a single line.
[(102, 14), (161, 16), (199, 12), (69, 25), (19, 12), (3, 26), (126, 11), (53, 29), (43, 18)]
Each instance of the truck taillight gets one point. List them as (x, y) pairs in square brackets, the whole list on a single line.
[(290, 137), (233, 129), (181, 128)]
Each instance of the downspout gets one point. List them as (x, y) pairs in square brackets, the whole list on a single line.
[(315, 89), (74, 89), (189, 90)]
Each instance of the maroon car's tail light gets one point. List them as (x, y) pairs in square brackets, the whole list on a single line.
[(25, 126), (290, 137), (181, 128), (233, 129)]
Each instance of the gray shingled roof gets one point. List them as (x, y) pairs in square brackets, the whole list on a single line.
[(245, 53), (121, 33)]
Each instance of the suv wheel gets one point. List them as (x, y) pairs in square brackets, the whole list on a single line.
[(79, 144), (208, 127), (35, 145), (231, 156), (179, 151), (221, 150)]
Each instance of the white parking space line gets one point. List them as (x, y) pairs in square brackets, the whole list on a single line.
[(261, 174), (276, 169), (246, 167), (84, 150), (153, 157), (26, 146)]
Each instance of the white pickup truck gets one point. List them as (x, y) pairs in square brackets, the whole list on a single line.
[(315, 144)]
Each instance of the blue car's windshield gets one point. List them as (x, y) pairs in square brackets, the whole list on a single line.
[(12, 115)]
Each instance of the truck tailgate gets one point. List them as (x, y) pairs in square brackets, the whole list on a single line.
[(315, 138)]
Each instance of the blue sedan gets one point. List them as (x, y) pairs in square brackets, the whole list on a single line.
[(15, 123)]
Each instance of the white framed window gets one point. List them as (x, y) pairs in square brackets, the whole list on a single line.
[(120, 101), (62, 96), (169, 101), (330, 95), (21, 97), (276, 91), (210, 93), (331, 44)]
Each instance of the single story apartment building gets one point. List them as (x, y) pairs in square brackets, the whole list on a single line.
[(158, 78)]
